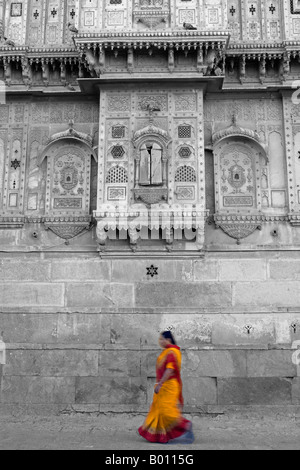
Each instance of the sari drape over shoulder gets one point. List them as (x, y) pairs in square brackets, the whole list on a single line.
[(164, 421)]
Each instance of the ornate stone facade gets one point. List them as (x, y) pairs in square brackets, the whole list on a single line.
[(149, 166)]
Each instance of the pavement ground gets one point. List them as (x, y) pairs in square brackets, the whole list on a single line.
[(119, 432)]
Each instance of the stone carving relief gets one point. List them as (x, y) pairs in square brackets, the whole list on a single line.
[(68, 184), (151, 13), (238, 180)]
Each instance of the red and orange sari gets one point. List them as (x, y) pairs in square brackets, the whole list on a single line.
[(164, 421)]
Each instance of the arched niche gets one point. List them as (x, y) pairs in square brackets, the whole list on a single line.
[(151, 165), (240, 162), (239, 156), (71, 164)]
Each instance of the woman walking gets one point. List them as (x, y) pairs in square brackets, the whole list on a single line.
[(165, 423)]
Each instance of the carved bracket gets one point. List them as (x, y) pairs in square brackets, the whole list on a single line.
[(238, 230), (67, 229)]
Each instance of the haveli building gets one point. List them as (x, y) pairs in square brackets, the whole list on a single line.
[(149, 179)]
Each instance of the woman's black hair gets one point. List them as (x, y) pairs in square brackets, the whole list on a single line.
[(168, 335)]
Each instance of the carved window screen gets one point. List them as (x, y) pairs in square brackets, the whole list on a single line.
[(118, 132), (184, 132), (185, 174), (117, 174)]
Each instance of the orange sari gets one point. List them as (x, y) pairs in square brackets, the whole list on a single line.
[(164, 421)]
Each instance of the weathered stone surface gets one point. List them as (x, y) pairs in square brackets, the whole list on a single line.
[(38, 390), (258, 391), (28, 328), (134, 330), (242, 270), (180, 295), (288, 269), (66, 363), (189, 330), (109, 390), (206, 270), (270, 364), (199, 391), (120, 363), (31, 294), (270, 293), (296, 391), (214, 363), (83, 328), (234, 330), (287, 328), (136, 270), (24, 270), (87, 295), (77, 270)]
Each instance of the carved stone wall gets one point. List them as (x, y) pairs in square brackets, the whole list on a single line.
[(39, 22), (27, 187), (176, 114)]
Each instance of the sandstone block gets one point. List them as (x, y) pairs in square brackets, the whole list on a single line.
[(24, 270), (243, 330), (199, 391), (87, 270), (180, 295), (270, 364), (267, 294), (254, 391), (288, 269), (67, 363), (296, 391), (97, 295), (136, 270), (242, 270), (31, 294), (80, 328), (38, 390), (215, 363), (206, 270), (29, 328), (108, 390), (120, 363)]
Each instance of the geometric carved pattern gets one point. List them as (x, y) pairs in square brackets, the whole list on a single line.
[(185, 193), (184, 132), (117, 174), (118, 151), (238, 231), (185, 152), (185, 174), (118, 132)]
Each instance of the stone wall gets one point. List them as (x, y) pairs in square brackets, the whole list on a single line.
[(81, 334)]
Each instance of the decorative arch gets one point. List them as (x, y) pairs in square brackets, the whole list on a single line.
[(151, 159), (240, 160), (69, 157)]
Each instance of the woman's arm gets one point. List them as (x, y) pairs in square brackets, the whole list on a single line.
[(167, 375)]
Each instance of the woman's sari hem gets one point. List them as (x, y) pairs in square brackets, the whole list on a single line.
[(179, 429)]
